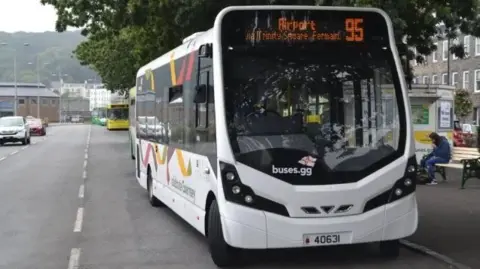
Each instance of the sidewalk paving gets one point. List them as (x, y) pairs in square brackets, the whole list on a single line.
[(449, 219)]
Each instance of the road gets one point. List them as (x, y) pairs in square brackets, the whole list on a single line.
[(55, 215)]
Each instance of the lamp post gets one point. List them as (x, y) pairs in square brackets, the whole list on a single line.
[(94, 90), (60, 78), (38, 83), (15, 99)]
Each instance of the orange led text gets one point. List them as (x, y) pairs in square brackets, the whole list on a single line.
[(292, 25), (354, 29)]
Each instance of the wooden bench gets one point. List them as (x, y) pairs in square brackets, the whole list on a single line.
[(467, 159)]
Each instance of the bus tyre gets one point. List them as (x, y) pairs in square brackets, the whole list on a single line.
[(151, 198), (222, 254), (390, 249)]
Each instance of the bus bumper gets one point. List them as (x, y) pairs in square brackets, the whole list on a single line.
[(266, 230)]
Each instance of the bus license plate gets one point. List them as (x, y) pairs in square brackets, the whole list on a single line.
[(322, 239)]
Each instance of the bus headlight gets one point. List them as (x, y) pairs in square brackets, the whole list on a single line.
[(406, 185), (237, 192), (411, 169), (400, 189), (229, 176), (236, 189)]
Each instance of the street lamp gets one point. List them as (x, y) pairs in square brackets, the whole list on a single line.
[(60, 76), (38, 83), (15, 99), (94, 80)]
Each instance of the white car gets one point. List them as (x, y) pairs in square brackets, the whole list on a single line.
[(14, 129)]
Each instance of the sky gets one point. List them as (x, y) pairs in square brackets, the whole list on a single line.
[(27, 16)]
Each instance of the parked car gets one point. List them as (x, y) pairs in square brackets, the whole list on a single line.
[(77, 119), (464, 135), (458, 135), (14, 129), (37, 127)]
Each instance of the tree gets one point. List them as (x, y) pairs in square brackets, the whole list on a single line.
[(126, 34), (463, 104)]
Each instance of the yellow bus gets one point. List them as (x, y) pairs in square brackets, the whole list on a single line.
[(117, 117)]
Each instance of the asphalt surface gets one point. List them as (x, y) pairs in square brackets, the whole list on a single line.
[(51, 217), (450, 219)]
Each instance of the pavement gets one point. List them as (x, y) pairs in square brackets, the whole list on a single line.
[(72, 201), (450, 219)]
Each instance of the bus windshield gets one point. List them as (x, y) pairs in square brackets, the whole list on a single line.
[(289, 102), (118, 113)]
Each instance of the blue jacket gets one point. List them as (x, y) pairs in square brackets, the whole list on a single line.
[(442, 150)]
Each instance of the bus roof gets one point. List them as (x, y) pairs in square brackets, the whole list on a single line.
[(192, 42)]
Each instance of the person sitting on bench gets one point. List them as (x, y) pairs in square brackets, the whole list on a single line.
[(441, 154)]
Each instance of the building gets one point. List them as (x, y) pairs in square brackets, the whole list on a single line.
[(99, 96), (441, 67), (33, 100), (75, 106)]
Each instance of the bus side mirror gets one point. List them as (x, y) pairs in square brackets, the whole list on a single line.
[(200, 94)]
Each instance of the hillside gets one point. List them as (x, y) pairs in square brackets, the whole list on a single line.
[(54, 52)]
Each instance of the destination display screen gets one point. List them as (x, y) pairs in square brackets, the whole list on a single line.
[(251, 27)]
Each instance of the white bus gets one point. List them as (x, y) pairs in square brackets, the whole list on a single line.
[(235, 154)]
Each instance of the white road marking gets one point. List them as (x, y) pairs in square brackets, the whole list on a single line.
[(79, 221), (86, 156), (84, 176), (3, 158), (81, 191), (13, 153), (74, 258), (84, 164), (24, 147)]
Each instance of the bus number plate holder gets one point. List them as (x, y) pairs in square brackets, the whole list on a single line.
[(325, 239)]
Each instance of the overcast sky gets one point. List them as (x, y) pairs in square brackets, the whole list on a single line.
[(27, 16)]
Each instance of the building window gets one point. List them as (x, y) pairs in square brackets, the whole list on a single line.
[(33, 101), (477, 46), (44, 102), (434, 79), (434, 53), (454, 79), (466, 45), (21, 101), (477, 81), (455, 42), (466, 80), (444, 79), (52, 102), (445, 50), (425, 80), (475, 115)]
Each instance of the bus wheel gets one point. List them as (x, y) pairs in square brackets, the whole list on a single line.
[(151, 198), (390, 249), (222, 254)]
